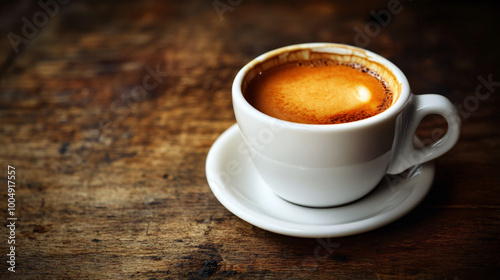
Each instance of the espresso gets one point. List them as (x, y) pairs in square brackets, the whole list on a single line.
[(319, 92)]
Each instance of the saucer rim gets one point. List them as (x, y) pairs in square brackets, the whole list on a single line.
[(272, 224)]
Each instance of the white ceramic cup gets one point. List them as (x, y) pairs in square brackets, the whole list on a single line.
[(329, 165)]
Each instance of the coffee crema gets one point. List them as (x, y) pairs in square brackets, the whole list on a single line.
[(321, 91)]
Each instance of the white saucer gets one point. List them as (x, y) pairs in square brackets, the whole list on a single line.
[(237, 185)]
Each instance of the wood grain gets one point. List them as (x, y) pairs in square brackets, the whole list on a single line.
[(110, 176)]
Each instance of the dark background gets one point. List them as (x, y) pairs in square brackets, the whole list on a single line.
[(109, 186)]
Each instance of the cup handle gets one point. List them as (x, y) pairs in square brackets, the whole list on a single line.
[(405, 155)]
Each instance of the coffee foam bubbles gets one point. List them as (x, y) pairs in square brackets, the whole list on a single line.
[(319, 92)]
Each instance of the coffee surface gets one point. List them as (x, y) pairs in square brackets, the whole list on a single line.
[(319, 92)]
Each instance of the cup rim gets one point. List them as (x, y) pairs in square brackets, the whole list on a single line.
[(239, 99)]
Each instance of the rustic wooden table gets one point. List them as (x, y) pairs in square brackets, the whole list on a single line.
[(108, 111)]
